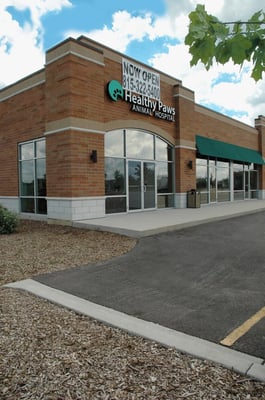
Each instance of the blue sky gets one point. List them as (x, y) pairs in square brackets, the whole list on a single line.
[(88, 15), (151, 31)]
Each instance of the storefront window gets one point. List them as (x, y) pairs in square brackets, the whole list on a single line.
[(238, 172), (27, 178), (139, 145), (114, 144), (41, 149), (202, 179), (223, 181), (153, 157), (41, 177), (163, 150), (251, 181), (254, 182), (32, 166), (27, 151), (114, 176), (213, 180), (164, 178)]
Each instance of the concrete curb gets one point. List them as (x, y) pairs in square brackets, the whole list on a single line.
[(245, 364)]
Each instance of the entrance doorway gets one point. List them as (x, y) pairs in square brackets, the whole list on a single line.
[(141, 185), (139, 171)]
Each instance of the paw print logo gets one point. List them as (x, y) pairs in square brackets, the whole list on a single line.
[(115, 90)]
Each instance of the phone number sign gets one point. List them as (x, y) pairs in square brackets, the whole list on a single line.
[(138, 79)]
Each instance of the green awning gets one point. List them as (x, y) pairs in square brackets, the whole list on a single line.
[(216, 148)]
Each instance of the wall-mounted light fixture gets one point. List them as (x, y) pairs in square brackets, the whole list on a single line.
[(190, 164), (94, 156)]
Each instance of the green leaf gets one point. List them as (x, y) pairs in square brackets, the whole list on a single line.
[(209, 38), (258, 16), (204, 51), (258, 58), (223, 53), (220, 30), (257, 72), (239, 45)]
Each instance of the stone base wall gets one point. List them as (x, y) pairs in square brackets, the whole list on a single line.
[(74, 209)]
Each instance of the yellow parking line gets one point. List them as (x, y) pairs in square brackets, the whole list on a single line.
[(244, 328)]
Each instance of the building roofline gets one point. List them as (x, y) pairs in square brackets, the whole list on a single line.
[(23, 84)]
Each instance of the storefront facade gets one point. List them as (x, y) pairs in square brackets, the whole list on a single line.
[(95, 133)]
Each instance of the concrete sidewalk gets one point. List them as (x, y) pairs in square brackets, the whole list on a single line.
[(148, 223)]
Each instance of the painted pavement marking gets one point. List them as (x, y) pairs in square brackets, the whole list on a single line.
[(244, 328)]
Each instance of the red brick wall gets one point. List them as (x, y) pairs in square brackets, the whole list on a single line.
[(216, 126), (70, 171), (74, 87), (22, 118), (185, 176)]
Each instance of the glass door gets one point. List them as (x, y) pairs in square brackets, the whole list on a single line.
[(247, 185), (135, 185), (212, 181), (141, 185), (149, 185)]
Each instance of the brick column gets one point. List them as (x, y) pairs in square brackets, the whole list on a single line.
[(260, 126), (74, 128), (185, 151)]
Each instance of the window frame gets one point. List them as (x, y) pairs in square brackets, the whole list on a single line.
[(35, 199)]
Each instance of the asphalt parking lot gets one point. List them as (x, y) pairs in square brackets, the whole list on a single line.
[(207, 281)]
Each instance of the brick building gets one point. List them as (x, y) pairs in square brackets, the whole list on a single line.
[(96, 132)]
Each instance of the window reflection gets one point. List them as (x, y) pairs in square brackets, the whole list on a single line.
[(114, 176), (164, 178), (27, 151), (253, 180), (41, 149), (114, 143), (201, 175), (254, 184), (139, 145), (27, 178), (41, 177), (238, 177), (223, 182), (215, 183), (33, 177), (163, 150)]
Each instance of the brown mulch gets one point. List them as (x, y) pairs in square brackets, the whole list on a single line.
[(50, 353), (37, 248)]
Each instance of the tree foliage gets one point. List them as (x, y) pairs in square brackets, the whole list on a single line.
[(210, 39)]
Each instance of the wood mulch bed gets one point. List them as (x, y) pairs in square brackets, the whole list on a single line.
[(50, 353)]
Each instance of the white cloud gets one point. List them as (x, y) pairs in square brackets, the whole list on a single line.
[(223, 9), (21, 45), (126, 28), (243, 10)]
